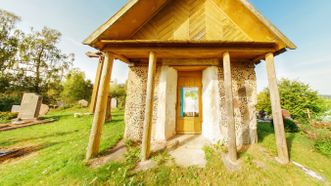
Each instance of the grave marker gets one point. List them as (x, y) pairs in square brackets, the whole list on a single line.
[(30, 106)]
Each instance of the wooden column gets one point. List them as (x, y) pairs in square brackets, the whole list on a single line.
[(232, 146), (146, 141), (96, 85), (283, 156), (100, 110)]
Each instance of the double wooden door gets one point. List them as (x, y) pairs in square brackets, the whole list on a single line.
[(189, 102)]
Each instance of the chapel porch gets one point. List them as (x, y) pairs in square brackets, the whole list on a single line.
[(154, 53)]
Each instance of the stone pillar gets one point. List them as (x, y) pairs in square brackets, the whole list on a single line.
[(211, 105), (101, 105), (283, 156), (165, 125)]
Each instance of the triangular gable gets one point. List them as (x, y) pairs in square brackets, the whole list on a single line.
[(191, 20), (223, 20)]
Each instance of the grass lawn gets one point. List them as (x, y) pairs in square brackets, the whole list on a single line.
[(55, 154)]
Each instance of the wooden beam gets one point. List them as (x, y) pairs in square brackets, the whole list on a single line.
[(133, 49), (100, 111), (232, 146), (191, 62), (146, 141), (123, 58), (93, 54), (190, 44), (283, 156), (96, 85)]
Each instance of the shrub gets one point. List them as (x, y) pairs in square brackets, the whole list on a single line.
[(6, 102), (5, 116), (323, 145), (296, 97), (289, 125), (76, 87)]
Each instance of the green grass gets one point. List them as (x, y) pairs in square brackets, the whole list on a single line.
[(60, 148)]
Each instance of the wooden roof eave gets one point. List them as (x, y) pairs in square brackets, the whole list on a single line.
[(138, 49), (94, 36), (125, 13), (289, 44)]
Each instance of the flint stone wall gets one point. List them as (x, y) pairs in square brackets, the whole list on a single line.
[(244, 94), (244, 102), (135, 103)]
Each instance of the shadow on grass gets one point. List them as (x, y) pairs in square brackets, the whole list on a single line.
[(265, 129), (24, 151), (58, 117), (289, 139), (113, 121), (56, 134)]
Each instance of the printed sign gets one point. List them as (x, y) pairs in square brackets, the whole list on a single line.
[(190, 102)]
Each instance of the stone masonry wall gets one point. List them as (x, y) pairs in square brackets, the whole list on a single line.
[(244, 94), (245, 99), (135, 102)]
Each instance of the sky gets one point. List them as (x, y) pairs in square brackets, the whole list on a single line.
[(306, 22)]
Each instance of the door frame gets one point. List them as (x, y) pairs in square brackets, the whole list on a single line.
[(189, 70)]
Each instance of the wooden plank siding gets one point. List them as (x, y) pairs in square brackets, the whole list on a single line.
[(191, 20)]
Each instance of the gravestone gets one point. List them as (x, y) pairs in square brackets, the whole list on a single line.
[(114, 103), (43, 110), (83, 103), (60, 104), (15, 108), (30, 106)]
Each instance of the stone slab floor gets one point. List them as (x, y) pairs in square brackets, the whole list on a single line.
[(189, 151)]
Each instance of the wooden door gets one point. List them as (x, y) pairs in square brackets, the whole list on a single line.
[(189, 103)]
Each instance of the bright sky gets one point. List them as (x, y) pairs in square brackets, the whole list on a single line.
[(305, 22)]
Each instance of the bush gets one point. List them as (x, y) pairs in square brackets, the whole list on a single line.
[(323, 145), (6, 116), (7, 101), (289, 125), (76, 87), (296, 97)]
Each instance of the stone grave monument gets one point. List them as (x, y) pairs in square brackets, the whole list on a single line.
[(114, 103), (83, 103), (44, 109), (30, 106), (15, 108)]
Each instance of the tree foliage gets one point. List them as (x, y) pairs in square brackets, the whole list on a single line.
[(8, 39), (76, 87), (118, 91), (42, 60), (30, 62), (296, 97)]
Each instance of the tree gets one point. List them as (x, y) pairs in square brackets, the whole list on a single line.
[(296, 97), (41, 60), (118, 91), (76, 87), (8, 39), (9, 42)]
